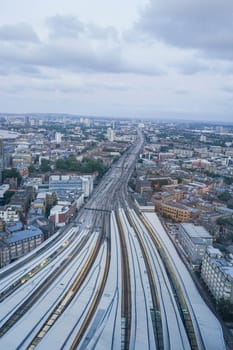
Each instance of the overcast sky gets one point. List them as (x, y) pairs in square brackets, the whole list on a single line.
[(137, 58)]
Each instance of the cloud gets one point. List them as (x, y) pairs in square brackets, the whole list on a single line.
[(202, 25), (190, 66), (64, 26), (181, 92), (78, 47), (228, 89), (70, 27), (100, 32), (20, 32)]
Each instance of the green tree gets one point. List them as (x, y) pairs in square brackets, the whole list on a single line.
[(88, 165), (228, 180), (225, 196), (31, 169), (11, 173), (72, 163), (60, 164), (7, 196), (45, 165)]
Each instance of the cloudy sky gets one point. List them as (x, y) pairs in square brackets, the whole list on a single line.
[(137, 58)]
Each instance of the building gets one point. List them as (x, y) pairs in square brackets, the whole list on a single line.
[(110, 134), (217, 273), (76, 183), (194, 240), (15, 244), (44, 224), (21, 201), (58, 137), (39, 203), (22, 157), (5, 258), (3, 190), (166, 156), (176, 211), (65, 182), (9, 214), (60, 214), (171, 195), (87, 185)]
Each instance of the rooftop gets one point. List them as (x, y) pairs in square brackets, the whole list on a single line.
[(31, 231)]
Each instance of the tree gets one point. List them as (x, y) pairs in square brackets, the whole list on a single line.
[(45, 165), (88, 165), (11, 173), (7, 197), (228, 180), (31, 169), (72, 163), (225, 196), (60, 164)]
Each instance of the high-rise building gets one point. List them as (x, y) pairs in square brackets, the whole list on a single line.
[(58, 137), (217, 273), (110, 134), (27, 120)]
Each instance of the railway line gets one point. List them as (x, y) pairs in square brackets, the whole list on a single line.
[(174, 333), (142, 332), (202, 327), (110, 280), (106, 333), (126, 288)]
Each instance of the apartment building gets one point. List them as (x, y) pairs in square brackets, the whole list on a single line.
[(17, 244), (82, 183), (194, 240), (217, 273), (9, 214), (176, 211)]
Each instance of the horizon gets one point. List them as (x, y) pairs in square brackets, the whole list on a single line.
[(154, 59)]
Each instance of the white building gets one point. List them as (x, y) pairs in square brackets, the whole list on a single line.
[(185, 153), (9, 214), (110, 134), (87, 185), (3, 189), (203, 138), (217, 273), (83, 183), (58, 137), (194, 240)]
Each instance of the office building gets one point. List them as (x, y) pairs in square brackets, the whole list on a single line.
[(194, 240), (217, 273)]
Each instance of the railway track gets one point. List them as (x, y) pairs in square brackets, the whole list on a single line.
[(126, 288), (156, 311), (96, 300), (36, 295), (68, 296), (182, 304), (35, 270)]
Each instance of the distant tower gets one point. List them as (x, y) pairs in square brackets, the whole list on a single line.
[(110, 134), (1, 158), (228, 161), (203, 138), (26, 120), (58, 137), (87, 122)]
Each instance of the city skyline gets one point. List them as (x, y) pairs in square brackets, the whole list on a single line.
[(141, 59)]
